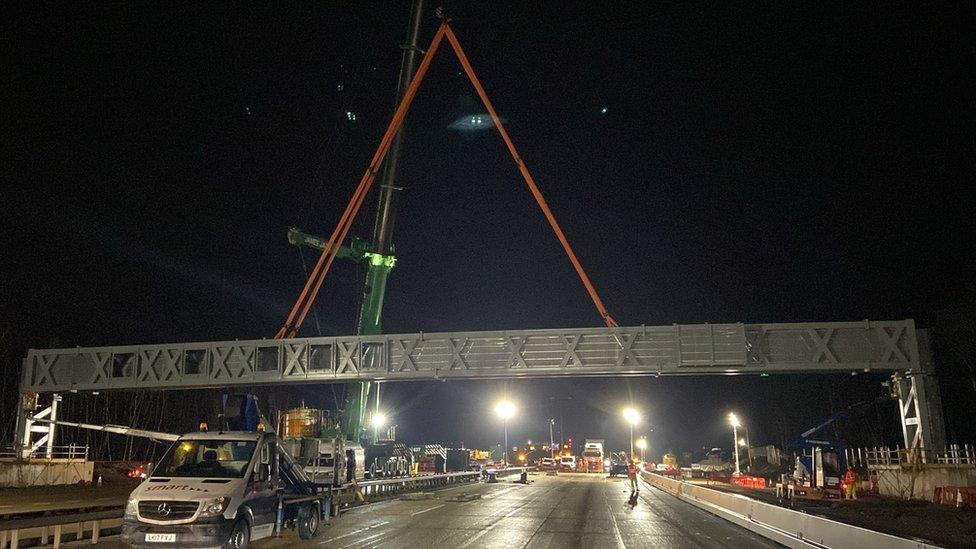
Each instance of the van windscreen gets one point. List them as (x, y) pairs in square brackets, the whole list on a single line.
[(206, 459)]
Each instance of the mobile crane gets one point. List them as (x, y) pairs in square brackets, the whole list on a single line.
[(378, 257)]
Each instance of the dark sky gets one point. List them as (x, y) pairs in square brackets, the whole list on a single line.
[(762, 163)]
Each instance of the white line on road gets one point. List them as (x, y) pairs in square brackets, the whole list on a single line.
[(363, 541), (487, 529), (354, 532), (428, 509), (499, 493), (616, 529)]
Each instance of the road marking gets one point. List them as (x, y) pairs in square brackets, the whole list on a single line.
[(362, 541), (499, 493), (616, 529), (428, 509), (489, 528), (377, 525)]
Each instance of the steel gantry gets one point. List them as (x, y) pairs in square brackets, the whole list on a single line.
[(681, 349)]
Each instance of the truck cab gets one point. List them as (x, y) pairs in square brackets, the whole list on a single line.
[(220, 490), (593, 456), (619, 462)]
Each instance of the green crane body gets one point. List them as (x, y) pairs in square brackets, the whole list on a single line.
[(378, 269), (378, 256)]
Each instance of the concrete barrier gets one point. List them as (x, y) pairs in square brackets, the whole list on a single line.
[(906, 482), (44, 472), (785, 526)]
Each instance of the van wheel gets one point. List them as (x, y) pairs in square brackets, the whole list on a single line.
[(240, 536), (308, 521)]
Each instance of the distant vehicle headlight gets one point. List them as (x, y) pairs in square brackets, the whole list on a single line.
[(606, 463), (214, 507)]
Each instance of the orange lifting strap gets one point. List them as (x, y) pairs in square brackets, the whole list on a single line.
[(304, 302)]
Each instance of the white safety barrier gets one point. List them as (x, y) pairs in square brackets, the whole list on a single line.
[(785, 526)]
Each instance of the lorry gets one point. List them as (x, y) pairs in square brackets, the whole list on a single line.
[(458, 460), (430, 458), (593, 456), (387, 459), (618, 463), (335, 462), (316, 442), (821, 462)]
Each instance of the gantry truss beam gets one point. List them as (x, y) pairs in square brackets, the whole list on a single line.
[(702, 349)]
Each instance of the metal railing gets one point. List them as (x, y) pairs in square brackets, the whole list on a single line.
[(387, 487), (52, 527), (69, 451), (954, 454)]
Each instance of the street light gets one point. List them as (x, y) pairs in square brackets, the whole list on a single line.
[(552, 451), (642, 445), (505, 410), (378, 422), (734, 421), (633, 418)]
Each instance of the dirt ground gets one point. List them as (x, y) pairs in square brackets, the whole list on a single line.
[(114, 491), (938, 524)]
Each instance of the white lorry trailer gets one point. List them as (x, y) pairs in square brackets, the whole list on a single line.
[(593, 455)]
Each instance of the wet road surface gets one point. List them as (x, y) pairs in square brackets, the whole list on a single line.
[(571, 510)]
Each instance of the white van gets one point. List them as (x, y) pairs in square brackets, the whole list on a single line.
[(222, 490)]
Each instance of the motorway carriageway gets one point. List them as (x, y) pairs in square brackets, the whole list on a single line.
[(569, 510)]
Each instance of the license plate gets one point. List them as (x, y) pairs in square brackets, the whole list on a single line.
[(161, 538)]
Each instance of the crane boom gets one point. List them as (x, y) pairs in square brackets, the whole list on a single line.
[(117, 429)]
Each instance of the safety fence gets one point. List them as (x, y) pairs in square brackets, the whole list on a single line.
[(784, 526), (387, 487), (392, 486), (53, 528), (956, 496), (954, 454), (69, 451)]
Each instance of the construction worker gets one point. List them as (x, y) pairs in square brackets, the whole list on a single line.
[(632, 475), (850, 484)]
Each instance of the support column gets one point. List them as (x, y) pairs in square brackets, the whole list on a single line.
[(920, 403), (26, 404), (51, 427), (26, 426)]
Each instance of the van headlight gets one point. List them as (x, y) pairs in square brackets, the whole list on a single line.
[(131, 507), (214, 507)]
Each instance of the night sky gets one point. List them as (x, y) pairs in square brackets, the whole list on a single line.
[(773, 163)]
